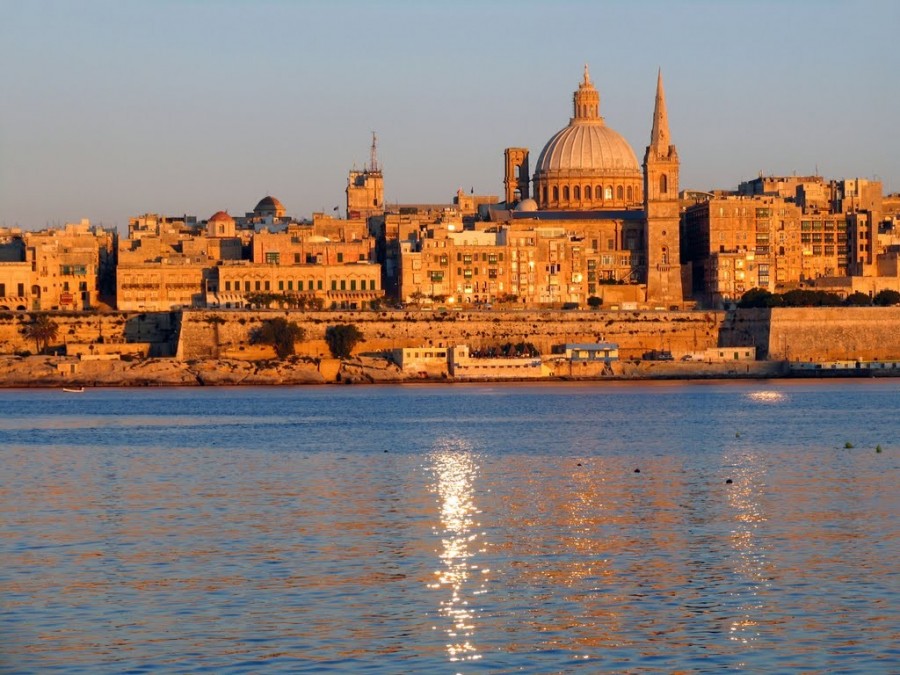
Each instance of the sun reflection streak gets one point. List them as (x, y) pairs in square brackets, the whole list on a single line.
[(454, 470), (752, 563)]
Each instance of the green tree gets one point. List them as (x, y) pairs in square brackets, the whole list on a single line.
[(42, 330), (594, 302), (886, 298), (858, 299), (758, 297), (342, 339), (280, 333)]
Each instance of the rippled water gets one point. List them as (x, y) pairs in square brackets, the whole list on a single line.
[(451, 529)]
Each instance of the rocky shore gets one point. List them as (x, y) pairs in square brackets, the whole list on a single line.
[(61, 371)]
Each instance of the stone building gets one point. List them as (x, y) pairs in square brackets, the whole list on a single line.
[(591, 221), (66, 268)]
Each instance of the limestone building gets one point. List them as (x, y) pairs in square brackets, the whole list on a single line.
[(68, 268)]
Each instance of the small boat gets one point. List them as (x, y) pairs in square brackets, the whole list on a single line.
[(73, 390)]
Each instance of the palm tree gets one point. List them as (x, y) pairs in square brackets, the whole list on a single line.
[(42, 330)]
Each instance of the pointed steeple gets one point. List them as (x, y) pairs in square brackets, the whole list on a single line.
[(587, 75), (659, 136)]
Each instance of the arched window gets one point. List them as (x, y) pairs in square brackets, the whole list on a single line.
[(665, 255), (555, 193), (598, 193), (620, 193), (544, 192), (587, 192), (607, 194), (630, 194), (663, 184), (576, 192), (565, 193)]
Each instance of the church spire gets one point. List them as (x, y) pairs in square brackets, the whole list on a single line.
[(659, 136)]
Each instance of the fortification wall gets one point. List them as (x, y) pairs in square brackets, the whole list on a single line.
[(834, 333), (86, 328), (223, 333)]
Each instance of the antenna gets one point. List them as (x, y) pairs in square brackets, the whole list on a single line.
[(373, 158)]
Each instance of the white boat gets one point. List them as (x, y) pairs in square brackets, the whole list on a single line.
[(73, 390)]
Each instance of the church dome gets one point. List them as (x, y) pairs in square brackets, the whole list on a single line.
[(527, 205), (220, 224), (587, 146), (587, 165), (269, 206), (220, 217)]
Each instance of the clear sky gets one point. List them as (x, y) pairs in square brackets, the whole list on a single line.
[(113, 109)]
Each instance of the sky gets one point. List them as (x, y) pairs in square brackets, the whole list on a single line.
[(112, 109)]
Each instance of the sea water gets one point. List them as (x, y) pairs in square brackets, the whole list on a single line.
[(463, 528)]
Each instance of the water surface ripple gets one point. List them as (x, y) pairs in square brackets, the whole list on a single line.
[(524, 528)]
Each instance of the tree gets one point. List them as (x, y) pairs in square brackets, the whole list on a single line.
[(42, 330), (342, 339), (758, 297), (280, 333), (594, 302), (886, 298), (858, 299)]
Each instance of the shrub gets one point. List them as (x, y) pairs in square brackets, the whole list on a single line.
[(858, 300), (886, 298)]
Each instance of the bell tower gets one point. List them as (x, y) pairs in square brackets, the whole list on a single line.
[(662, 209), (515, 177)]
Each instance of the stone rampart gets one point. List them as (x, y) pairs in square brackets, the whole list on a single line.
[(156, 329), (834, 333), (224, 333)]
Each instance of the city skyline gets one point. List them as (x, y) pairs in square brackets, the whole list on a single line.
[(118, 109)]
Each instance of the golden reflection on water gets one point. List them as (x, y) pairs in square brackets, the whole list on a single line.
[(767, 396), (459, 576), (751, 563)]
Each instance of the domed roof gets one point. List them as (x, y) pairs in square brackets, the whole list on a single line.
[(269, 205), (587, 146), (220, 216), (527, 205)]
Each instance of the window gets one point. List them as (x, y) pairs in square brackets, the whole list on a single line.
[(291, 285), (258, 286), (227, 286), (620, 193), (343, 285), (333, 284), (576, 192), (587, 191), (630, 193), (281, 284), (340, 257), (437, 275), (353, 284), (663, 184), (268, 286), (555, 194), (565, 193), (318, 285), (608, 193), (246, 286), (296, 258), (272, 257)]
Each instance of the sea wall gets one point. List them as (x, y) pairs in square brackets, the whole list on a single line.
[(226, 334), (834, 333), (816, 333), (158, 330)]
